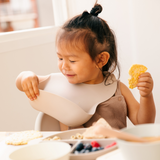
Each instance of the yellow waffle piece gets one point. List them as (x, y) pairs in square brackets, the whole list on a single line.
[(135, 71)]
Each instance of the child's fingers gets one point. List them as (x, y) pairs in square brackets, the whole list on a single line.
[(145, 79), (145, 74), (144, 89), (27, 92), (31, 92), (35, 88), (144, 84)]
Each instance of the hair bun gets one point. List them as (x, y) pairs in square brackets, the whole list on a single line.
[(96, 10)]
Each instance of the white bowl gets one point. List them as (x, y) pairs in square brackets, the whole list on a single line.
[(43, 151), (141, 151)]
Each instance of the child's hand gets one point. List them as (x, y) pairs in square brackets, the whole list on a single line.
[(145, 84), (29, 83)]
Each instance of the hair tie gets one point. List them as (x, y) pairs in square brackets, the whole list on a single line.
[(96, 10)]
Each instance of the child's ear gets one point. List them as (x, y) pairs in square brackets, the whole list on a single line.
[(102, 59)]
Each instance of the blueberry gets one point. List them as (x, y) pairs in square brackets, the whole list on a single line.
[(82, 151), (88, 146), (100, 148), (79, 147), (87, 151), (94, 149), (76, 152)]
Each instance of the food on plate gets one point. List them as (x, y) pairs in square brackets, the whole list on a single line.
[(92, 132), (23, 137), (135, 71), (111, 145), (95, 144), (73, 137), (90, 147), (103, 122), (77, 136), (86, 148), (52, 138)]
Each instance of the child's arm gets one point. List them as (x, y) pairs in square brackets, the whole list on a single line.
[(145, 87), (28, 82), (145, 111)]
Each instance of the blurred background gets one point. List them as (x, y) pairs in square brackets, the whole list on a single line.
[(25, 14)]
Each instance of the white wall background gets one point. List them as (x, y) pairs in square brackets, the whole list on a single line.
[(136, 24)]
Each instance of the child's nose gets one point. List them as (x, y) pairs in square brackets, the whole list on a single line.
[(65, 66)]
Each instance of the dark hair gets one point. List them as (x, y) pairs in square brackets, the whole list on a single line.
[(95, 35)]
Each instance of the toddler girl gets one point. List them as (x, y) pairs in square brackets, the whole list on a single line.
[(87, 54)]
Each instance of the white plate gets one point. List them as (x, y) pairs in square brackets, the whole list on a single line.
[(65, 137)]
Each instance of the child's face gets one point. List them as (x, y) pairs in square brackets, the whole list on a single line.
[(78, 67)]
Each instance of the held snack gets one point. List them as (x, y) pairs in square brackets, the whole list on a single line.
[(135, 71), (21, 138)]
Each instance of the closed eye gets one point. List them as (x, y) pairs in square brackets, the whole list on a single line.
[(72, 61), (60, 59)]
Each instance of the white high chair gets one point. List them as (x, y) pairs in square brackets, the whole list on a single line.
[(45, 122)]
